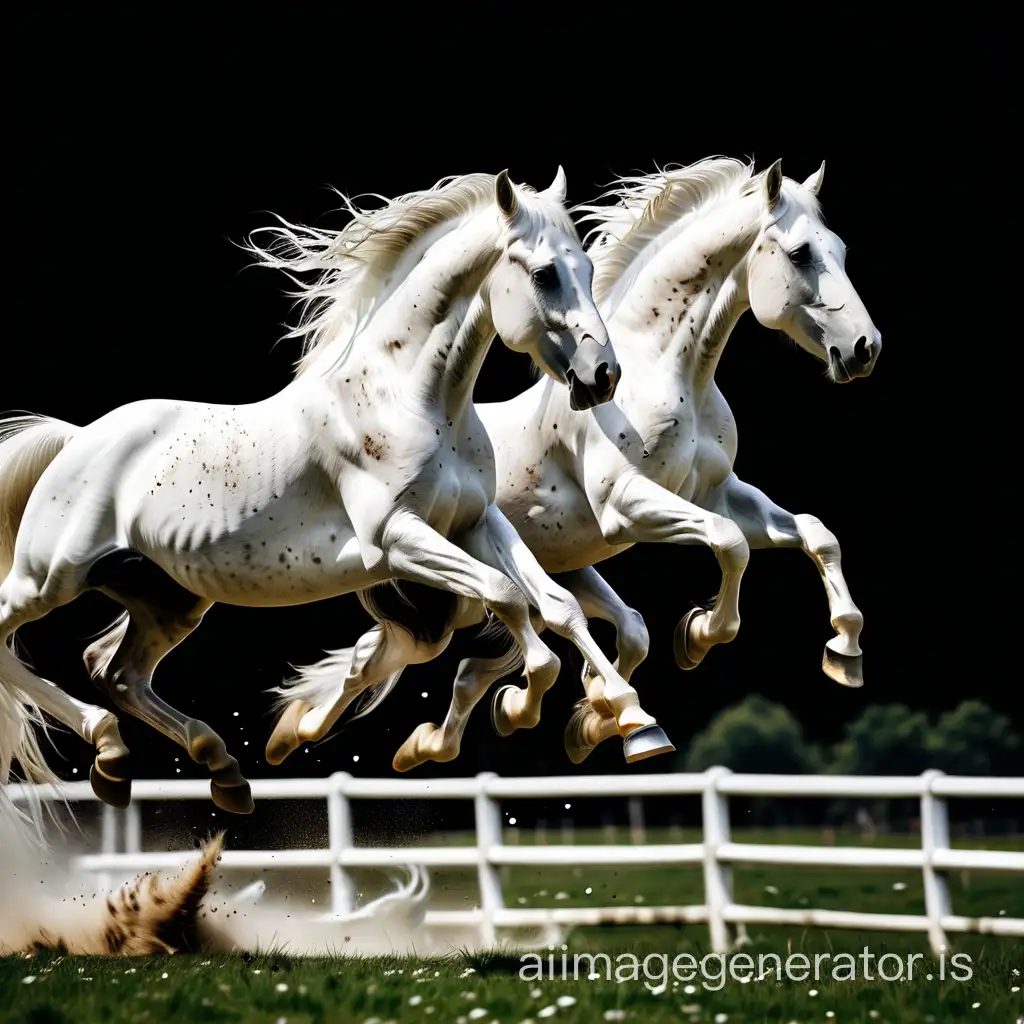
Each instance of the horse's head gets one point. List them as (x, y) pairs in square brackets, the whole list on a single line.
[(540, 293), (797, 281)]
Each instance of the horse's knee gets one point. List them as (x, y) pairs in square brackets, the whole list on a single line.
[(634, 637), (730, 544), (505, 599), (562, 612)]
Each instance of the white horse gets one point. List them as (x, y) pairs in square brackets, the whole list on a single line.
[(678, 261), (371, 465)]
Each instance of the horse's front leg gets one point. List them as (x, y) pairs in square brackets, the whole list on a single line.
[(765, 524), (560, 610), (592, 720), (640, 511)]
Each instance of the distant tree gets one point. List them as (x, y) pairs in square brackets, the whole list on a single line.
[(884, 739), (975, 740), (752, 736)]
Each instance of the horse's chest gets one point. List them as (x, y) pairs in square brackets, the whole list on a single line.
[(670, 445), (452, 493)]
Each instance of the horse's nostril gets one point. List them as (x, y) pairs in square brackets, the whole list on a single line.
[(601, 379), (863, 349)]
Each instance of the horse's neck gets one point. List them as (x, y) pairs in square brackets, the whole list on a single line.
[(433, 332), (684, 304)]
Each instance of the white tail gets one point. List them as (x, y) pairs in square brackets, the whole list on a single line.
[(28, 444)]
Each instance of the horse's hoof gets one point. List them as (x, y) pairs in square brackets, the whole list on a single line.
[(680, 641), (647, 741), (115, 792), (499, 720), (410, 753), (234, 799), (285, 737), (845, 669)]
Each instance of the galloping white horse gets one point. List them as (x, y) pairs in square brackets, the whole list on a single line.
[(678, 261), (371, 465)]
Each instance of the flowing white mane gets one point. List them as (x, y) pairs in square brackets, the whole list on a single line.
[(652, 209), (358, 267)]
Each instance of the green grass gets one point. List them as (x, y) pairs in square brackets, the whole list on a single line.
[(269, 989), (247, 989)]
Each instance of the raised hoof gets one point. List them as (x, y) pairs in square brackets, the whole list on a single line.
[(647, 741), (410, 754), (845, 669), (285, 737), (499, 720), (575, 748), (680, 641), (234, 799), (116, 793)]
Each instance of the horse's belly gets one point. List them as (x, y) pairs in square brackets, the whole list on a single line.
[(291, 552), (556, 523)]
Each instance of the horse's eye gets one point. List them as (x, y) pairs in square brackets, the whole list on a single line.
[(801, 256), (546, 276)]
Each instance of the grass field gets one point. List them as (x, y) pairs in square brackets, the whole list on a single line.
[(461, 989)]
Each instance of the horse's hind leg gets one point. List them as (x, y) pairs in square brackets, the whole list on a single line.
[(21, 602), (161, 613)]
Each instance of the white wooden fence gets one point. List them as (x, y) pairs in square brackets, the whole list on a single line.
[(717, 853)]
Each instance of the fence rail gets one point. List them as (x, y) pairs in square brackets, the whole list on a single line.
[(717, 853)]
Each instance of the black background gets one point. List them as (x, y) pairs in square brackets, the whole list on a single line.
[(147, 142)]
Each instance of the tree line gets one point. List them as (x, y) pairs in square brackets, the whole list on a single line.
[(760, 736)]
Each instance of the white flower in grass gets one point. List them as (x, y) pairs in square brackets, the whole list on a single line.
[(975, 1006), (535, 993), (477, 1012), (898, 886), (281, 987), (771, 890), (548, 1011), (721, 1018), (813, 992), (415, 1000), (614, 1014), (566, 1001), (28, 979)]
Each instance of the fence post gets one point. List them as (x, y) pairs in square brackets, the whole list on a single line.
[(133, 827), (108, 842), (637, 832), (339, 837), (488, 834), (934, 836), (717, 878)]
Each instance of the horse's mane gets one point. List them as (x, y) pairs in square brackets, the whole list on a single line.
[(358, 267), (652, 209)]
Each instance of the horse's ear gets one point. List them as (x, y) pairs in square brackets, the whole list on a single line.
[(773, 185), (813, 183), (557, 188), (505, 195)]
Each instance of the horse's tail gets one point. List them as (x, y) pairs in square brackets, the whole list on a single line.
[(28, 444)]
